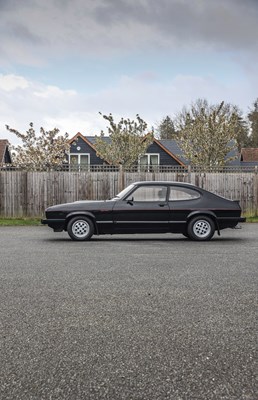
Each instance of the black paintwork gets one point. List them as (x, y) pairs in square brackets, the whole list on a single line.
[(124, 215)]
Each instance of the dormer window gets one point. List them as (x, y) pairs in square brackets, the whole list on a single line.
[(79, 162), (148, 162)]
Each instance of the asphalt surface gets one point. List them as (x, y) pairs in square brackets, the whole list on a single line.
[(128, 317)]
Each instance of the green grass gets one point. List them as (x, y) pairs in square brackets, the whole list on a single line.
[(252, 219), (19, 221)]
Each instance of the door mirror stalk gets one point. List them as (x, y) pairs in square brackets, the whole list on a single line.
[(130, 201)]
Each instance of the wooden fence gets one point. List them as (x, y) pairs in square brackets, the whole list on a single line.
[(27, 194)]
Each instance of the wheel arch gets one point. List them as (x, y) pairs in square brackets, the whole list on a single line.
[(82, 214), (207, 214)]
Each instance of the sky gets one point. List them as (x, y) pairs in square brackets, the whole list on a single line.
[(64, 61)]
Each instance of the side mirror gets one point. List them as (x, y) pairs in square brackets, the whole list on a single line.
[(130, 200)]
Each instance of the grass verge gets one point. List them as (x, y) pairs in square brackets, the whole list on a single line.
[(251, 219), (19, 221)]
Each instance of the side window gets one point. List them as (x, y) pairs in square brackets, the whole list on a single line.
[(179, 193), (149, 193)]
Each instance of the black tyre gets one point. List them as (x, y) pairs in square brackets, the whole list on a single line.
[(185, 235), (80, 228), (201, 228)]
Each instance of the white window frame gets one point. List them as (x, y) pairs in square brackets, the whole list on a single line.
[(79, 160), (149, 166)]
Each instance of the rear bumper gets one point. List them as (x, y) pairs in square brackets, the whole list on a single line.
[(229, 222), (235, 220)]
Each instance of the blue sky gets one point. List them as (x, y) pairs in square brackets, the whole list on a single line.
[(63, 61)]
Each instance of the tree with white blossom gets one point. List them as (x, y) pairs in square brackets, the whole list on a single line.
[(129, 140), (207, 133), (42, 152)]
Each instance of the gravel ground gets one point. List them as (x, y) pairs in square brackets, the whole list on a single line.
[(128, 317)]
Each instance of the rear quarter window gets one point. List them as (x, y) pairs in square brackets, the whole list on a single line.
[(178, 193)]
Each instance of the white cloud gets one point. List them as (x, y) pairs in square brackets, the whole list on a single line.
[(87, 123), (44, 105), (53, 91), (9, 83), (73, 112)]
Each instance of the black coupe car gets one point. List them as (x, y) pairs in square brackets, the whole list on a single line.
[(148, 207)]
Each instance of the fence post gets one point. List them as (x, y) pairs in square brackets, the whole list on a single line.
[(189, 173), (256, 190), (121, 178)]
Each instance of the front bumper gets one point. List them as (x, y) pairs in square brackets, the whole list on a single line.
[(54, 221), (56, 224)]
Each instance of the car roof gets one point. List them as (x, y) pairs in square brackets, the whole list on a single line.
[(164, 183)]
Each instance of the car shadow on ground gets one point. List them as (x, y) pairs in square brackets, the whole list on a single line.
[(174, 238)]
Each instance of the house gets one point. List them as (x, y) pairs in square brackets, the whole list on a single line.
[(82, 152), (5, 155), (160, 153), (164, 154)]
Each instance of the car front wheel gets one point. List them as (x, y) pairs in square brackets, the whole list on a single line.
[(80, 228), (201, 228)]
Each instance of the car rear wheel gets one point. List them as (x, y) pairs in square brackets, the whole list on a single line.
[(201, 228), (80, 228)]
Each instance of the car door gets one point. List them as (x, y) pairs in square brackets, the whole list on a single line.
[(145, 209)]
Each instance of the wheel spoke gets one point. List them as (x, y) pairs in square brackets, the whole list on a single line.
[(80, 228), (202, 228)]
